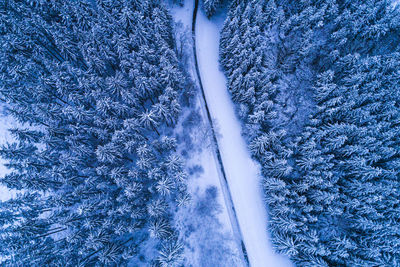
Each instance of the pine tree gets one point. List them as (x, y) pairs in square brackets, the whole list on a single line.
[(333, 171), (96, 103), (210, 6)]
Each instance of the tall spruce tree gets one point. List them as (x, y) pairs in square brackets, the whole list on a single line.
[(211, 6)]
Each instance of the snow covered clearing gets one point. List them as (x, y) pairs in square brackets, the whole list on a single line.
[(242, 172), (204, 223)]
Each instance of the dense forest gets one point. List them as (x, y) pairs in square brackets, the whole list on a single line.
[(104, 161), (97, 88), (316, 84)]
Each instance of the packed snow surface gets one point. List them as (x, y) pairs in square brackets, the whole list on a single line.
[(242, 172)]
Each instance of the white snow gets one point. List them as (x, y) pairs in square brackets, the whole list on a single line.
[(242, 172), (211, 241), (222, 240)]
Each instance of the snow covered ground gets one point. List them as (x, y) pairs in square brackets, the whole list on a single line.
[(209, 238), (243, 173), (204, 224)]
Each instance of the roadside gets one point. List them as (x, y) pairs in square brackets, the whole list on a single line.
[(205, 224)]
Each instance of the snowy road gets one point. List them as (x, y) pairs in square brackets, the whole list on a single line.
[(242, 173), (210, 159), (217, 157)]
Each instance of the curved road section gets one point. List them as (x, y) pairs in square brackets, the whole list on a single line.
[(240, 174)]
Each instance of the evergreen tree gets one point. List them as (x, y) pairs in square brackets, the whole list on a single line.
[(94, 160), (210, 6), (316, 83)]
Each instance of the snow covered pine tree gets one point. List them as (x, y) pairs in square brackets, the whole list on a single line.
[(97, 86), (210, 6), (317, 86)]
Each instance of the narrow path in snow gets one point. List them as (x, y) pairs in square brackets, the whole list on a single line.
[(240, 172)]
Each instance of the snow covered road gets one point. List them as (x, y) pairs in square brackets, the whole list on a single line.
[(210, 160), (242, 173)]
